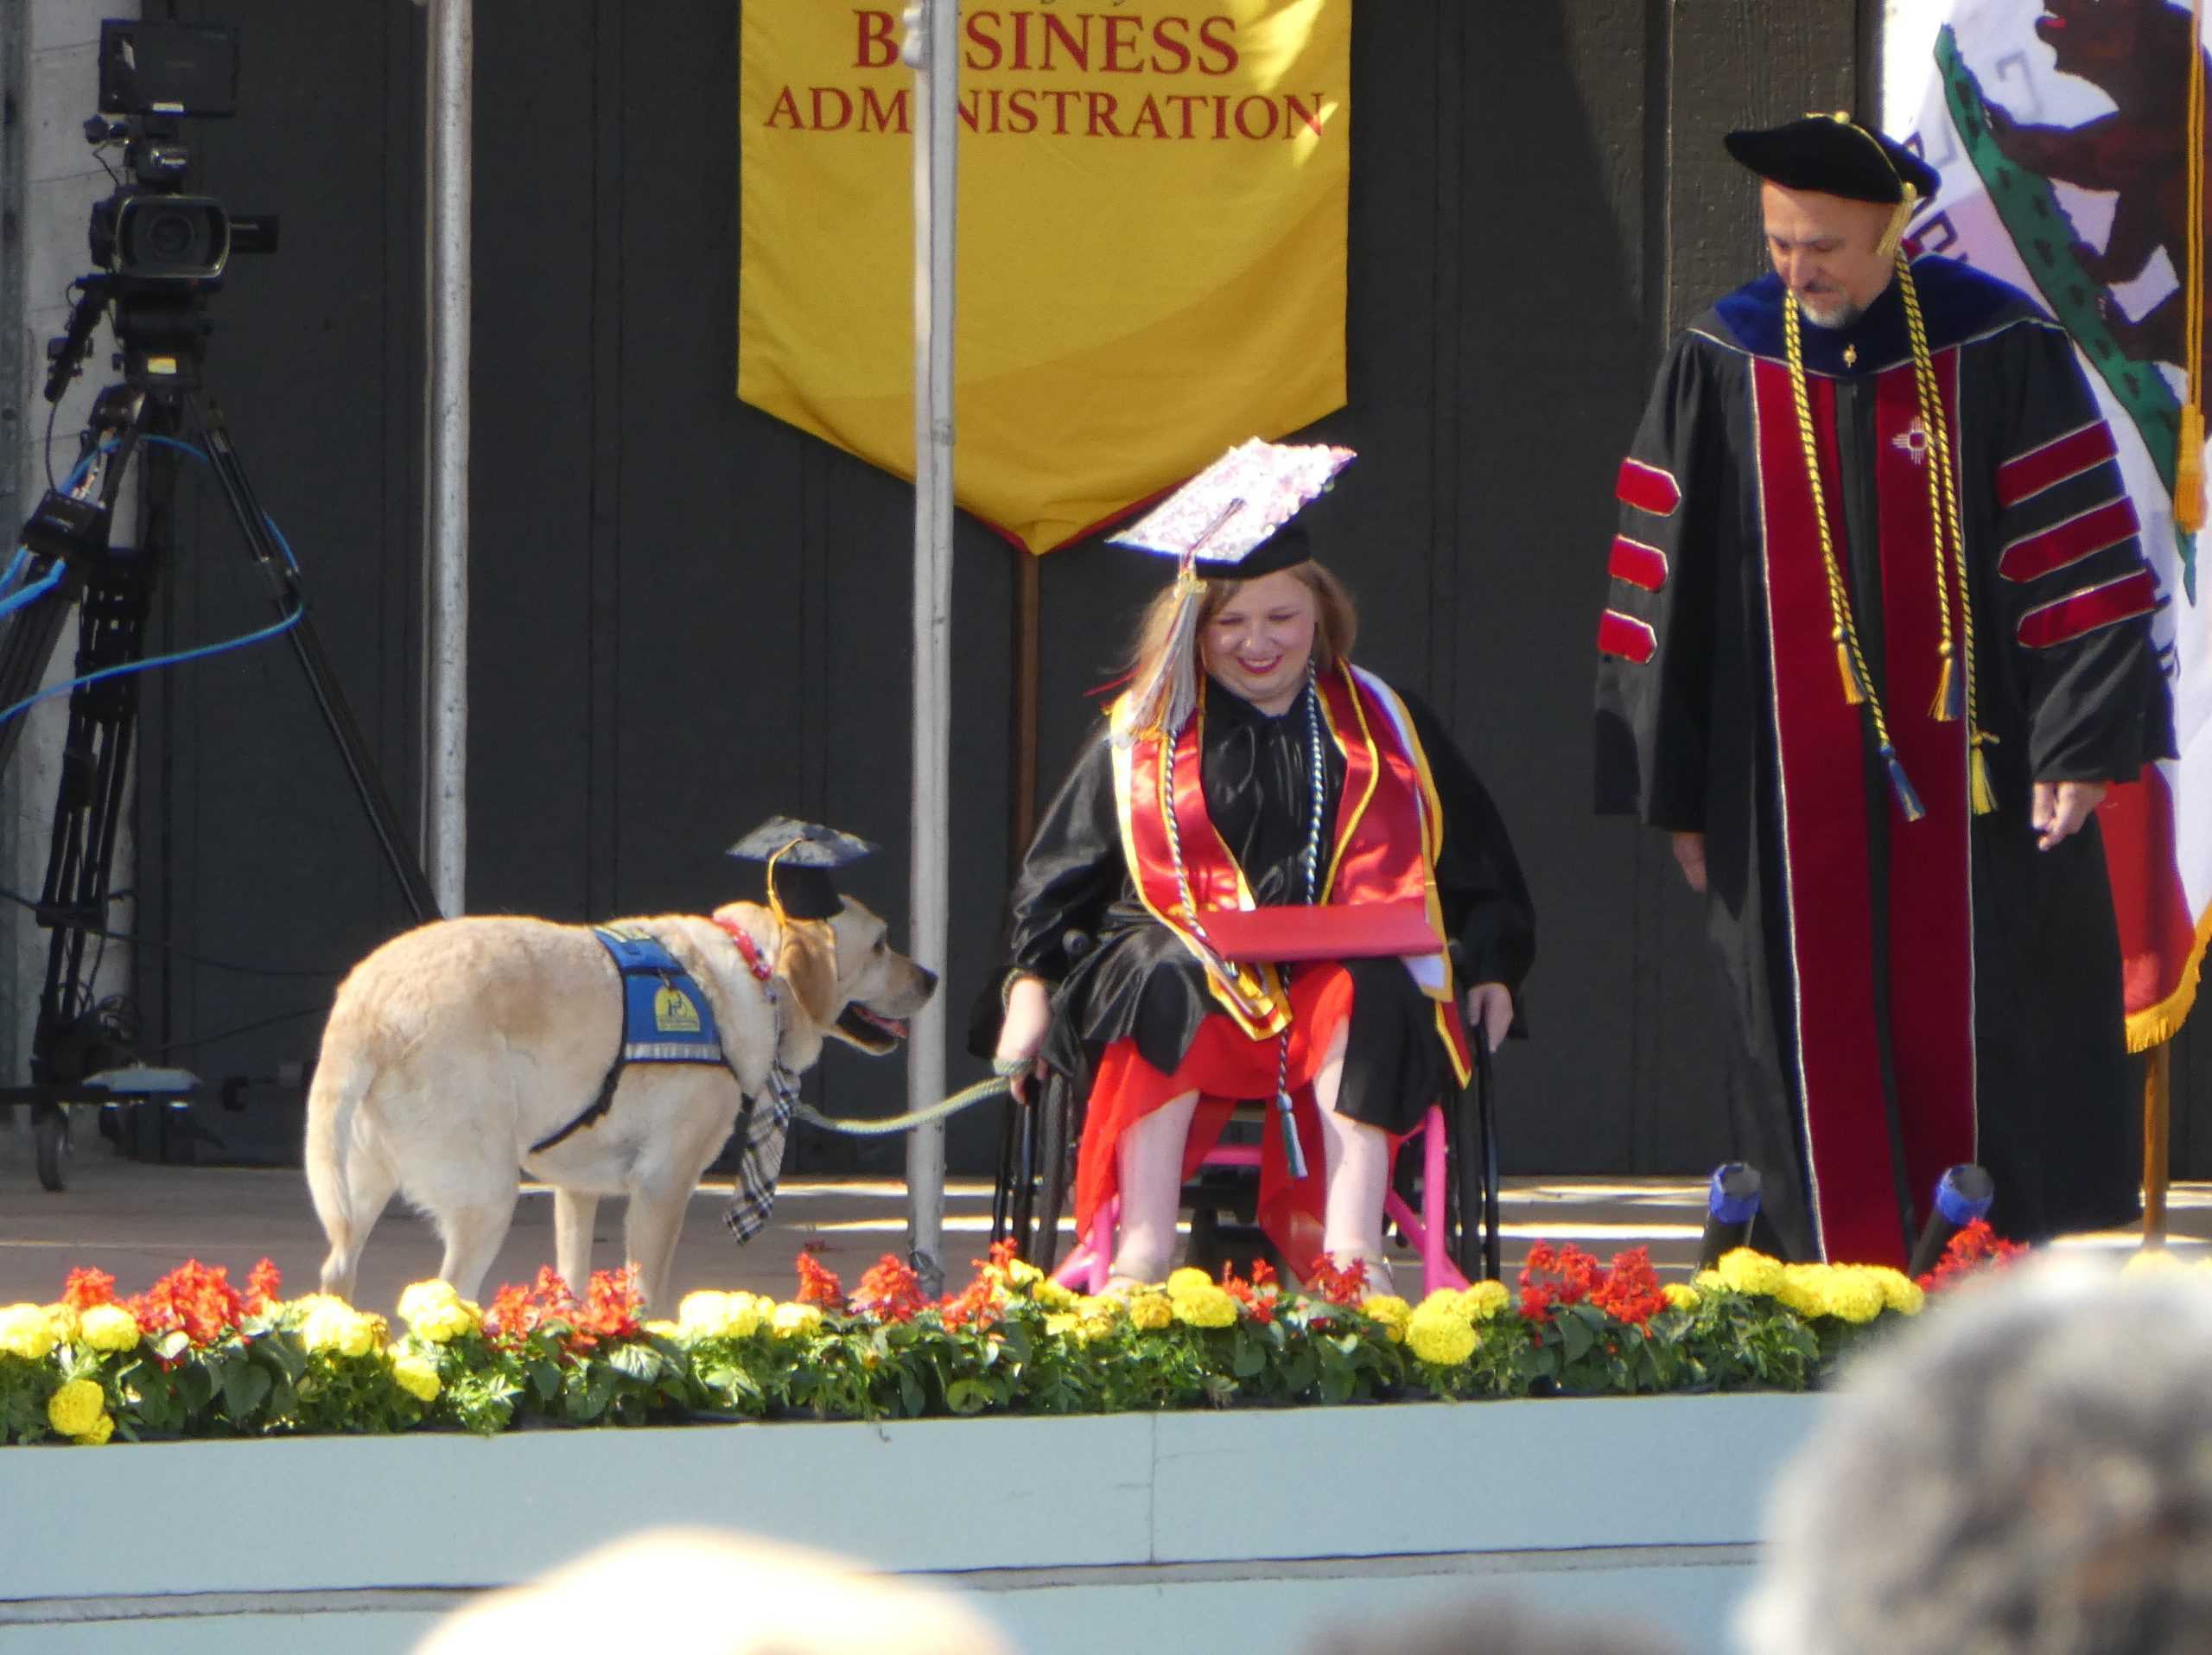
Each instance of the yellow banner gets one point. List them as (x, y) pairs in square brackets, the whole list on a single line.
[(1151, 239)]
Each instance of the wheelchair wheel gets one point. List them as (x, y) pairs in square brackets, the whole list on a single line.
[(50, 1134), (1055, 1162)]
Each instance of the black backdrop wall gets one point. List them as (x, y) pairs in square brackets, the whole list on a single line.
[(685, 616)]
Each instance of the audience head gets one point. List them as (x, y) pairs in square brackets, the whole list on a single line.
[(2027, 1471)]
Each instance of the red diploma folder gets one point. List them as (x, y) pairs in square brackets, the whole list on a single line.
[(1332, 931)]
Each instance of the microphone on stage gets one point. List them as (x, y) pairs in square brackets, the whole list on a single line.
[(1962, 1194), (1731, 1204)]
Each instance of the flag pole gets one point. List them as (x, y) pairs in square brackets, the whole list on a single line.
[(932, 50), (2157, 1102)]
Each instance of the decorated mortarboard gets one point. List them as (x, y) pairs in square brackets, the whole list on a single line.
[(1232, 521), (1832, 154), (799, 864)]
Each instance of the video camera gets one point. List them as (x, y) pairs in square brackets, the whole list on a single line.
[(154, 244)]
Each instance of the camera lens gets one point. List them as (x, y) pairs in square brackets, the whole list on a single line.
[(171, 238)]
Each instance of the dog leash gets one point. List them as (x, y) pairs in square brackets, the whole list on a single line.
[(997, 1086)]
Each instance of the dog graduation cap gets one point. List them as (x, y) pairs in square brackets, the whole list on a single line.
[(1232, 521), (1832, 154), (799, 859)]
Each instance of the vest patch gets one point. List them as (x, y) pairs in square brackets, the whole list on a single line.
[(665, 1016)]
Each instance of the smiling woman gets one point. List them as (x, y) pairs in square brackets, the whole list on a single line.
[(1258, 882)]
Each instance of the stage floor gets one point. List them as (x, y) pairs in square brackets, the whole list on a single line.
[(136, 1220)]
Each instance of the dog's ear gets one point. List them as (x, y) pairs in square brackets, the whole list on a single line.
[(808, 965)]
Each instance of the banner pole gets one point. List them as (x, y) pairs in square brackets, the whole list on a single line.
[(931, 49), (2157, 1083)]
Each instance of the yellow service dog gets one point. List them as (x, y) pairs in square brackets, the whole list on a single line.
[(455, 1047)]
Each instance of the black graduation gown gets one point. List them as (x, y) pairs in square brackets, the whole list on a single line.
[(1905, 992), (1114, 971)]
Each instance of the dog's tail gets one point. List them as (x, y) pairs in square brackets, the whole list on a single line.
[(341, 1082)]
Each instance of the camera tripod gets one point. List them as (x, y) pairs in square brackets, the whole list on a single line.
[(158, 408)]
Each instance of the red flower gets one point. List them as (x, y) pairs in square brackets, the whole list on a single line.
[(1263, 1273), (1257, 1296), (86, 1288), (194, 1297), (818, 1284), (1554, 1276), (1630, 1291), (890, 1290), (1004, 1253), (513, 1316), (264, 1286), (613, 1307), (1975, 1249), (974, 1306), (1345, 1286)]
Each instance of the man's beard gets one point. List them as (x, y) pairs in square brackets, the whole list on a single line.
[(1837, 312)]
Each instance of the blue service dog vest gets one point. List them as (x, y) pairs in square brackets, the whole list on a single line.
[(666, 1018)]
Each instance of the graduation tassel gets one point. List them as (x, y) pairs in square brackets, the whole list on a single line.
[(1948, 703), (1908, 801), (1294, 1156), (1982, 796), (1851, 693)]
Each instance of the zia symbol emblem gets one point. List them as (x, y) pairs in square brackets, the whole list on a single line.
[(1913, 441)]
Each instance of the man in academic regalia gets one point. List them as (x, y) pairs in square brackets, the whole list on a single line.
[(1875, 699)]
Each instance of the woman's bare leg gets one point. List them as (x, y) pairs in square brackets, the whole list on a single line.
[(1357, 1160), (1149, 1158)]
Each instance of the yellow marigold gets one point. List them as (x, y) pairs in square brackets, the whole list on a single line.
[(1435, 1333), (103, 1428), (1186, 1278), (1747, 1271), (416, 1378), (1485, 1300), (1804, 1288), (2149, 1261), (1055, 1295), (1203, 1306), (1019, 1272), (1853, 1294), (108, 1327), (75, 1408), (661, 1328), (337, 1329), (1708, 1281), (1899, 1291), (67, 1324), (27, 1330), (1149, 1311), (791, 1320), (1679, 1295), (1064, 1326), (1449, 1301), (722, 1315), (1393, 1312), (422, 1297)]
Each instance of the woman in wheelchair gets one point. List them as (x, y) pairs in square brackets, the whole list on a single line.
[(1287, 932)]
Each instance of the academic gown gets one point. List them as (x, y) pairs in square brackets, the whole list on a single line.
[(1908, 994), (1114, 971)]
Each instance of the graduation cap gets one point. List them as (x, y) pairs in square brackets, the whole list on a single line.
[(799, 859), (1833, 155), (1232, 521)]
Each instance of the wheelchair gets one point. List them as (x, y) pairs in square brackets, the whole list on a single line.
[(1443, 1203)]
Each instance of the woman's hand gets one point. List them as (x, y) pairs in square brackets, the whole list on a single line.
[(1689, 855), (1021, 1031), (1489, 1010)]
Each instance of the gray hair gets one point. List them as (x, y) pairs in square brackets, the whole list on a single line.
[(2029, 1472)]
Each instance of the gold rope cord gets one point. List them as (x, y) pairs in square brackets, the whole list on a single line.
[(1943, 505), (1851, 661)]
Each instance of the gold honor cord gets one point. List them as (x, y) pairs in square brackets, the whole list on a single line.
[(1850, 660), (1943, 509)]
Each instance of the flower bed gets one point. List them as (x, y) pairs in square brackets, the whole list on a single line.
[(195, 1356)]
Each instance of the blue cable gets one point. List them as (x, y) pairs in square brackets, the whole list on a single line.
[(275, 628)]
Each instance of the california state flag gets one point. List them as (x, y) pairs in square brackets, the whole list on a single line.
[(2062, 132)]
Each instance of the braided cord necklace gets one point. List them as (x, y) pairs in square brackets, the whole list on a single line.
[(1310, 865)]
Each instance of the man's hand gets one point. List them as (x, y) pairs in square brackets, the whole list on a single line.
[(2059, 808), (1028, 1015), (1689, 851), (1489, 1008)]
